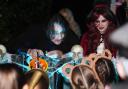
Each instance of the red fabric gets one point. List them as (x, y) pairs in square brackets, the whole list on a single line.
[(84, 43), (101, 5)]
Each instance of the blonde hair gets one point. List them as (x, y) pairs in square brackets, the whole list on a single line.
[(35, 77)]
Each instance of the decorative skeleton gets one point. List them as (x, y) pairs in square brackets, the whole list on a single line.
[(4, 56), (77, 51)]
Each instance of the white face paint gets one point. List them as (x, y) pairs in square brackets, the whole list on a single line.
[(101, 24), (77, 51), (58, 36)]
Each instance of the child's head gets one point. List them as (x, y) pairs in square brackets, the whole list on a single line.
[(83, 77), (36, 79), (105, 70), (11, 76)]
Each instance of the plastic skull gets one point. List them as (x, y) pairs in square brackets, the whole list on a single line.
[(77, 51), (2, 50)]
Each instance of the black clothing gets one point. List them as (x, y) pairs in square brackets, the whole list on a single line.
[(35, 37)]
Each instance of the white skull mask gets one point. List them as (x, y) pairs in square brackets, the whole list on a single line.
[(2, 50), (77, 51)]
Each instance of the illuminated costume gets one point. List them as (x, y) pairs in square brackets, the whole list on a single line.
[(42, 37)]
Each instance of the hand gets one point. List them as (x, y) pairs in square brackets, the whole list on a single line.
[(35, 53), (120, 70), (55, 53)]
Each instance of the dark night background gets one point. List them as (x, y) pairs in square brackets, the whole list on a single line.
[(17, 15)]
